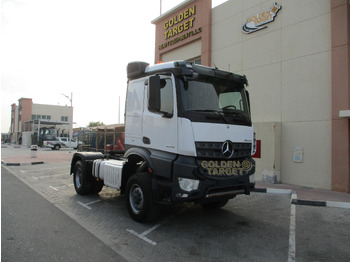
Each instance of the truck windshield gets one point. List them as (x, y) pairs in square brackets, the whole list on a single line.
[(219, 100)]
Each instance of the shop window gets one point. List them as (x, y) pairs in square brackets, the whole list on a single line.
[(196, 60), (64, 118)]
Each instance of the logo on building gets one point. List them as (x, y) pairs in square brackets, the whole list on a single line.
[(257, 21)]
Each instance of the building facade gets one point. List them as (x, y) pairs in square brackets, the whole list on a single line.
[(27, 118), (296, 57)]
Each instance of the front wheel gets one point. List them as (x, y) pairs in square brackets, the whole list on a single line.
[(83, 183), (139, 198)]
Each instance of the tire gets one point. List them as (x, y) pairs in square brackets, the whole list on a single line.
[(83, 182), (57, 147), (139, 198), (97, 186), (215, 204)]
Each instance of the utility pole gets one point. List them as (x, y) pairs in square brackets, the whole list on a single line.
[(119, 112), (71, 121)]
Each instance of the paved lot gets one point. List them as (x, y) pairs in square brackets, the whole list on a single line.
[(259, 227)]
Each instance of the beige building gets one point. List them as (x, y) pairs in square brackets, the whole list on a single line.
[(28, 119), (296, 57)]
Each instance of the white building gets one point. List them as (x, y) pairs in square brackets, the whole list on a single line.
[(27, 118), (296, 57)]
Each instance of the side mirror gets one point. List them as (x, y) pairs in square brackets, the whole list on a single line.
[(154, 93)]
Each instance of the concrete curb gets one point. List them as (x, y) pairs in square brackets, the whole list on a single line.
[(22, 164), (303, 202)]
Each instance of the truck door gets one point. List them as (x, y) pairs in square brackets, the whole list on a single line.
[(160, 127)]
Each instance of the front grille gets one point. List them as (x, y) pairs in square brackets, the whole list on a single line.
[(213, 150), (225, 191)]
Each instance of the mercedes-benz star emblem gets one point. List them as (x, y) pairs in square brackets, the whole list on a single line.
[(227, 149)]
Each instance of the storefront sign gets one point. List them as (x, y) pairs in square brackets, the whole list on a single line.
[(257, 21), (180, 27)]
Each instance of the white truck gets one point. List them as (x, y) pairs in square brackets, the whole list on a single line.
[(188, 138), (61, 142)]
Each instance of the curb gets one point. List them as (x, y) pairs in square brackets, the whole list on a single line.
[(302, 202), (320, 203), (22, 164)]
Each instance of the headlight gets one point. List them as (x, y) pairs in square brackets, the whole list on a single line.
[(188, 184)]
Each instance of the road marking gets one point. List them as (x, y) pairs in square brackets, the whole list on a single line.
[(292, 228), (57, 188), (41, 169), (143, 235), (88, 204), (47, 176), (54, 188)]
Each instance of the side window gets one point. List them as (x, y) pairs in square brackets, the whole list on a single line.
[(166, 96), (231, 100)]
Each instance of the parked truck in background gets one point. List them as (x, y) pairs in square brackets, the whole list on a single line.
[(188, 138)]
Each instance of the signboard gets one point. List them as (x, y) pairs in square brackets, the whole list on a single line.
[(298, 153), (180, 27), (256, 22)]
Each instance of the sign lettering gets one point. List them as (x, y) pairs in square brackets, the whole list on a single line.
[(180, 27), (256, 22)]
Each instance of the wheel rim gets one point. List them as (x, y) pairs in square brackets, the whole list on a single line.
[(136, 199), (78, 177)]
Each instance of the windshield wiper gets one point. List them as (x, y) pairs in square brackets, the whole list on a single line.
[(217, 112), (222, 114), (238, 114)]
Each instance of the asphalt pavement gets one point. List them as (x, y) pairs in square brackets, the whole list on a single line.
[(259, 227), (21, 155)]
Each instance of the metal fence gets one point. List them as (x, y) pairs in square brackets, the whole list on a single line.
[(101, 141)]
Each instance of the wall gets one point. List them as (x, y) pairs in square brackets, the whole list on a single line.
[(288, 66), (196, 27), (268, 165), (24, 111), (56, 112), (189, 51), (340, 94)]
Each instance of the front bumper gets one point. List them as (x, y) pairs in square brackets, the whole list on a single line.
[(216, 179)]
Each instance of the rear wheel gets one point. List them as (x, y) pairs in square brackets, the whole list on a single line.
[(57, 147), (139, 198)]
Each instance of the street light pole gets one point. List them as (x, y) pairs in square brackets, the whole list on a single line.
[(71, 120)]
